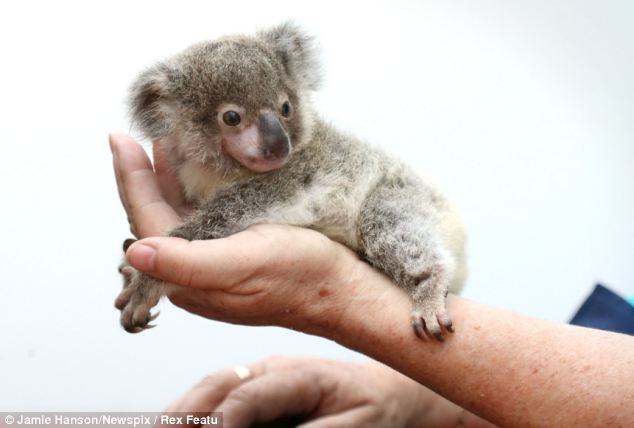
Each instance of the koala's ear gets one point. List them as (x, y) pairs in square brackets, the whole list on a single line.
[(297, 52), (150, 100)]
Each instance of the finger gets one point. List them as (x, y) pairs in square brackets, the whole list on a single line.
[(148, 211), (206, 395), (168, 181), (212, 389), (364, 415), (271, 396), (218, 263)]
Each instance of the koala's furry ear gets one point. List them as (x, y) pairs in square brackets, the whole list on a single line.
[(149, 102), (297, 52)]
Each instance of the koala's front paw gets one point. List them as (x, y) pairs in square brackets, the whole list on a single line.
[(430, 311), (140, 293)]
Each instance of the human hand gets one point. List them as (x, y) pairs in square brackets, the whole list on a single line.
[(266, 275), (320, 393)]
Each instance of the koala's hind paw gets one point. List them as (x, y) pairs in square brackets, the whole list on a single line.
[(140, 294), (429, 319)]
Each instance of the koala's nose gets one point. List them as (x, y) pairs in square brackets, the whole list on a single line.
[(275, 142)]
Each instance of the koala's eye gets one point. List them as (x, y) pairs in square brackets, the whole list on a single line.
[(231, 118), (286, 109)]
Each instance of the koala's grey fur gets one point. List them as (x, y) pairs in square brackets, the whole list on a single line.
[(333, 183)]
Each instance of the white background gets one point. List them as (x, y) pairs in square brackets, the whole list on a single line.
[(521, 111)]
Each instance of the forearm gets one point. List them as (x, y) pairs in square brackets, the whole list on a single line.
[(511, 369)]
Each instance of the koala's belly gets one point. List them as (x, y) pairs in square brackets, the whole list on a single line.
[(330, 205)]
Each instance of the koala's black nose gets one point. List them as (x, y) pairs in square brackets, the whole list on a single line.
[(275, 143)]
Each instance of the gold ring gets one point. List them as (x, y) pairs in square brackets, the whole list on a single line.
[(242, 372)]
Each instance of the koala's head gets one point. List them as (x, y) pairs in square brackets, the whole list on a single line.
[(236, 102)]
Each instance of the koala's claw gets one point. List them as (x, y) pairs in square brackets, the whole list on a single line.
[(430, 322), (445, 321), (126, 243), (135, 330), (135, 319)]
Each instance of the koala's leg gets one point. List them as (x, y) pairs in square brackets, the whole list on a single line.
[(400, 236), (137, 300), (140, 293)]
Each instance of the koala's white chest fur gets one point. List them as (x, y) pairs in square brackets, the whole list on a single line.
[(199, 182)]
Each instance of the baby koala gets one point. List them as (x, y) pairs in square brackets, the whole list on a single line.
[(234, 117)]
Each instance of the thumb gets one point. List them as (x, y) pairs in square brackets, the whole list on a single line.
[(218, 263)]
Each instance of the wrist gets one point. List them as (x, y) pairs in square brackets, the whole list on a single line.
[(331, 293), (366, 303)]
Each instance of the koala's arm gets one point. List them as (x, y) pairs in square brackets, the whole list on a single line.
[(400, 236), (234, 209)]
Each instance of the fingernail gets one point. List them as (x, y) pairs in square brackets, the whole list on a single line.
[(142, 257)]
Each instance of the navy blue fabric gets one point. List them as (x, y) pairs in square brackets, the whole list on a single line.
[(605, 310)]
